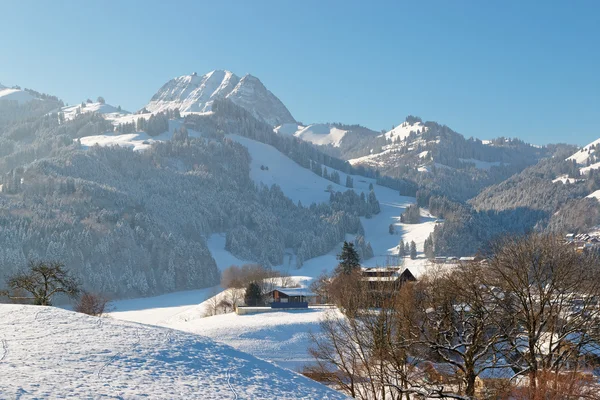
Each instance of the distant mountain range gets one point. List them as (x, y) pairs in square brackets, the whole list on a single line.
[(64, 171)]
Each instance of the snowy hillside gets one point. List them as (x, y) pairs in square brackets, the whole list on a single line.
[(136, 141), (319, 134), (284, 341), (110, 112), (587, 157), (17, 95), (106, 358), (193, 93), (403, 130)]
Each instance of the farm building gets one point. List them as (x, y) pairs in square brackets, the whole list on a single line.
[(291, 297)]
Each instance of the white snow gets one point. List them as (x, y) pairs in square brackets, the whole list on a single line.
[(193, 93), (583, 154), (594, 195), (137, 141), (586, 170), (403, 130), (566, 179), (17, 95), (47, 352), (111, 112), (280, 337), (288, 129), (321, 134)]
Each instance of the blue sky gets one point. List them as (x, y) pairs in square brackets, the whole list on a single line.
[(486, 69)]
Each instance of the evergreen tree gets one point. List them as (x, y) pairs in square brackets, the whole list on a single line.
[(253, 296), (349, 182), (391, 229), (373, 205), (401, 249), (349, 259), (413, 250)]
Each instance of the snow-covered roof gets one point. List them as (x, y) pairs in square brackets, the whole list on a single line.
[(296, 292)]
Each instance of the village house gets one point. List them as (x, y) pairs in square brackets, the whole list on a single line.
[(384, 276), (291, 298)]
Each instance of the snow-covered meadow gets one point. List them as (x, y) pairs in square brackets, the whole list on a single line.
[(48, 352)]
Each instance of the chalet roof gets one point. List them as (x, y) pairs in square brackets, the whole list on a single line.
[(295, 292)]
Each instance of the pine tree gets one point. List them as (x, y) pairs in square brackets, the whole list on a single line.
[(349, 182), (413, 250), (253, 296), (349, 259), (401, 249), (392, 230)]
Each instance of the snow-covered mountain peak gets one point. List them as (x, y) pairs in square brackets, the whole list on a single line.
[(195, 93)]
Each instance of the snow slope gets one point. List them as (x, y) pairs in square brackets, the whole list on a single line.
[(321, 134), (193, 93), (307, 187), (17, 95), (52, 353), (110, 112), (581, 156), (137, 141), (280, 337), (403, 130)]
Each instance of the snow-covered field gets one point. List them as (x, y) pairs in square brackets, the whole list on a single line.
[(47, 352)]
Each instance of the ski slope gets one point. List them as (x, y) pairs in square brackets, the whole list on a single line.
[(48, 352)]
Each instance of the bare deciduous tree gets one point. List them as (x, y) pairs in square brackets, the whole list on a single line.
[(92, 304), (42, 281), (550, 295)]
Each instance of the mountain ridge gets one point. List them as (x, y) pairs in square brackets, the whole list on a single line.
[(196, 94)]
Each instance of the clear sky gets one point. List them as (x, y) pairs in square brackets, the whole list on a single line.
[(484, 68)]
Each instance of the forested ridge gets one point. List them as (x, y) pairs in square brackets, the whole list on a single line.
[(135, 223)]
